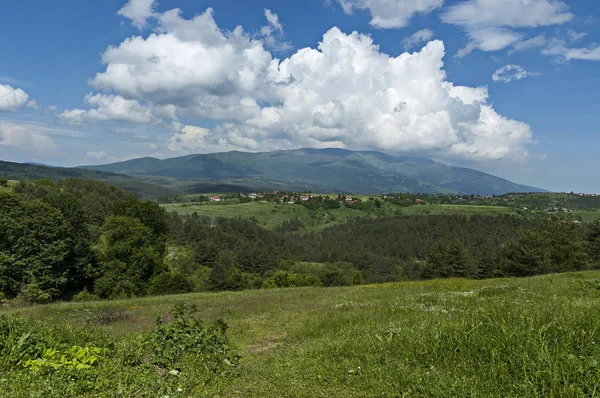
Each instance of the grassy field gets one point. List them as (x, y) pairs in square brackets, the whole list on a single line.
[(588, 216), (272, 215), (494, 338)]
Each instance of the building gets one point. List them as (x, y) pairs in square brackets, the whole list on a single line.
[(305, 198), (253, 195), (214, 198)]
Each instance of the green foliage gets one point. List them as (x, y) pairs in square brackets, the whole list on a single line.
[(289, 279), (449, 259), (34, 247), (128, 256), (556, 245), (188, 336), (77, 358), (41, 359), (225, 273), (84, 296), (32, 294), (3, 182), (169, 283)]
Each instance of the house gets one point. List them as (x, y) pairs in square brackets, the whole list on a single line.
[(349, 199), (305, 197), (214, 198), (253, 195), (419, 201)]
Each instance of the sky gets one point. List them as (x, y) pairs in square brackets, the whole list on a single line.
[(509, 87)]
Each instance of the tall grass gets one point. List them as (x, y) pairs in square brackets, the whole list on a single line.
[(494, 338)]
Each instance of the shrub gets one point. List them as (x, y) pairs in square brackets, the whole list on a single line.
[(168, 283), (189, 336), (32, 294), (289, 279), (84, 295)]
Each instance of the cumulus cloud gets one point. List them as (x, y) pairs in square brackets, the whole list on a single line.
[(343, 93), (25, 136), (109, 107), (13, 99), (138, 11), (417, 38), (509, 73), (388, 14), (96, 155), (491, 24)]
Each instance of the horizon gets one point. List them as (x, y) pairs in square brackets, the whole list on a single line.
[(506, 88), (33, 163)]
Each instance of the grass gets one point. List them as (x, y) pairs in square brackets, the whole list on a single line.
[(457, 209), (589, 215), (271, 215), (495, 338)]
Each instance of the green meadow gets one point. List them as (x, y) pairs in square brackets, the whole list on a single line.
[(525, 337)]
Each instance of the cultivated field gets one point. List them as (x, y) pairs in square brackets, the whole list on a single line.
[(494, 338)]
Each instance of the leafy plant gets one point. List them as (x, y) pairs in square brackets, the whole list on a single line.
[(189, 336)]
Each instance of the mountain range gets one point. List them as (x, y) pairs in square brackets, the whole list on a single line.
[(318, 170)]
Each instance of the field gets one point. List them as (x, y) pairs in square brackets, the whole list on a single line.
[(495, 338), (271, 215)]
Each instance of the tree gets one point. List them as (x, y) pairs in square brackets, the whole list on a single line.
[(225, 274), (128, 257), (34, 246), (449, 259), (556, 245)]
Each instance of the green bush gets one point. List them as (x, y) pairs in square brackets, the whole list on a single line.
[(84, 295), (32, 294), (168, 283), (289, 279), (189, 336)]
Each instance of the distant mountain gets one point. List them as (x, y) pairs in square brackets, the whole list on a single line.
[(319, 170), (29, 171)]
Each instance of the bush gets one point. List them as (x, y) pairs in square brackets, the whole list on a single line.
[(189, 336), (168, 283), (3, 182), (289, 279), (84, 295), (32, 294)]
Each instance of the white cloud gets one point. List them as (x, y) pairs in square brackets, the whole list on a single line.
[(109, 107), (25, 136), (13, 99), (509, 73), (96, 155), (388, 14), (491, 24), (417, 38), (272, 33), (343, 93), (138, 11), (534, 42), (576, 36), (560, 49)]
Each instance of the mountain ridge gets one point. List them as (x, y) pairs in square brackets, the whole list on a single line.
[(333, 169)]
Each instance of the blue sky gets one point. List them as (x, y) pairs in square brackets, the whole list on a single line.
[(510, 87)]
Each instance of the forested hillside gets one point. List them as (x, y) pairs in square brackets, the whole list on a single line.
[(84, 239)]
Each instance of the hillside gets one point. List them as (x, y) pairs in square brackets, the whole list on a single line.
[(441, 338), (29, 171), (324, 170)]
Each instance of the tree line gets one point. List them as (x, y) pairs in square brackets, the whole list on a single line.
[(83, 239)]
